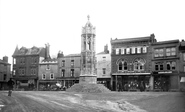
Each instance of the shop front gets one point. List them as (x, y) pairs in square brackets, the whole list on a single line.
[(105, 81), (131, 81)]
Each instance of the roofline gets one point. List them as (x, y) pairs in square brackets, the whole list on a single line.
[(166, 42)]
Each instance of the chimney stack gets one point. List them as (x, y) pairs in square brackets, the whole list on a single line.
[(47, 53), (5, 59), (106, 49)]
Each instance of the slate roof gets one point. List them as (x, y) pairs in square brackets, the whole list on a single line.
[(27, 51)]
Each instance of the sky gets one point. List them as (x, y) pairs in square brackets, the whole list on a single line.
[(31, 23)]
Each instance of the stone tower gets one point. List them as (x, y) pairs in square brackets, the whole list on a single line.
[(88, 61)]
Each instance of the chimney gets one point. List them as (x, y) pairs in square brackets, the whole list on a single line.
[(5, 59), (106, 49), (60, 54), (47, 54)]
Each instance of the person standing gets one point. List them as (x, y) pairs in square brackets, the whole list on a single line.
[(10, 86)]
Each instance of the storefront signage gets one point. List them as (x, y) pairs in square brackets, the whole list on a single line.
[(130, 73), (165, 72)]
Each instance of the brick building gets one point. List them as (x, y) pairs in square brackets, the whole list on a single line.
[(103, 67), (26, 65), (131, 63), (69, 69), (166, 65), (5, 73), (48, 74)]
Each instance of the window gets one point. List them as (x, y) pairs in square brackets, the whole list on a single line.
[(171, 65), (139, 64), (104, 70), (52, 76), (128, 50), (123, 51), (122, 65), (133, 50), (170, 51), (144, 49), (117, 51), (23, 71), (63, 63), (34, 71), (20, 71), (184, 68), (72, 72), (47, 67), (138, 49), (63, 73), (43, 76), (5, 76), (13, 72), (104, 58), (159, 53), (72, 63), (14, 61), (159, 66), (184, 56)]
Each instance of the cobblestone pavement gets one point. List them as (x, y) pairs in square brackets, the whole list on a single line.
[(60, 101)]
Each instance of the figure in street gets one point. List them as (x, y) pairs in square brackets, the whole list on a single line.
[(10, 86)]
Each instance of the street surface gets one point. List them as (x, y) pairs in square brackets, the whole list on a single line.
[(60, 101)]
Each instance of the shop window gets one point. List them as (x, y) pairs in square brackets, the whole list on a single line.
[(128, 50), (43, 76), (104, 70), (184, 56), (171, 51), (133, 50), (72, 72), (122, 65), (138, 49), (139, 64), (52, 76)]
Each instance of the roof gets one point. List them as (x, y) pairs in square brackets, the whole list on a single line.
[(2, 62), (166, 42), (137, 39), (27, 51), (102, 53), (73, 55), (182, 43)]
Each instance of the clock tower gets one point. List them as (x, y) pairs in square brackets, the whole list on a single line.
[(88, 61)]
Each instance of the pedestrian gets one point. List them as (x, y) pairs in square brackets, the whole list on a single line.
[(10, 86)]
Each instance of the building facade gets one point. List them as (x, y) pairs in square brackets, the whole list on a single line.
[(166, 65), (5, 73), (69, 69), (26, 65), (48, 74), (131, 63), (103, 67), (182, 65)]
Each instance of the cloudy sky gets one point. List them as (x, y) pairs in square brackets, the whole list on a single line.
[(59, 22)]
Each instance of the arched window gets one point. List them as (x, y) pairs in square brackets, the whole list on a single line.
[(122, 65), (139, 64)]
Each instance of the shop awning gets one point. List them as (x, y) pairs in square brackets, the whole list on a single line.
[(131, 73)]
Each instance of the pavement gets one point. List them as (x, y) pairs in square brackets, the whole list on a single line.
[(61, 101)]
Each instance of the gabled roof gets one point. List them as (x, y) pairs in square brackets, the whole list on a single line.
[(1, 61), (102, 53), (27, 51), (73, 55)]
